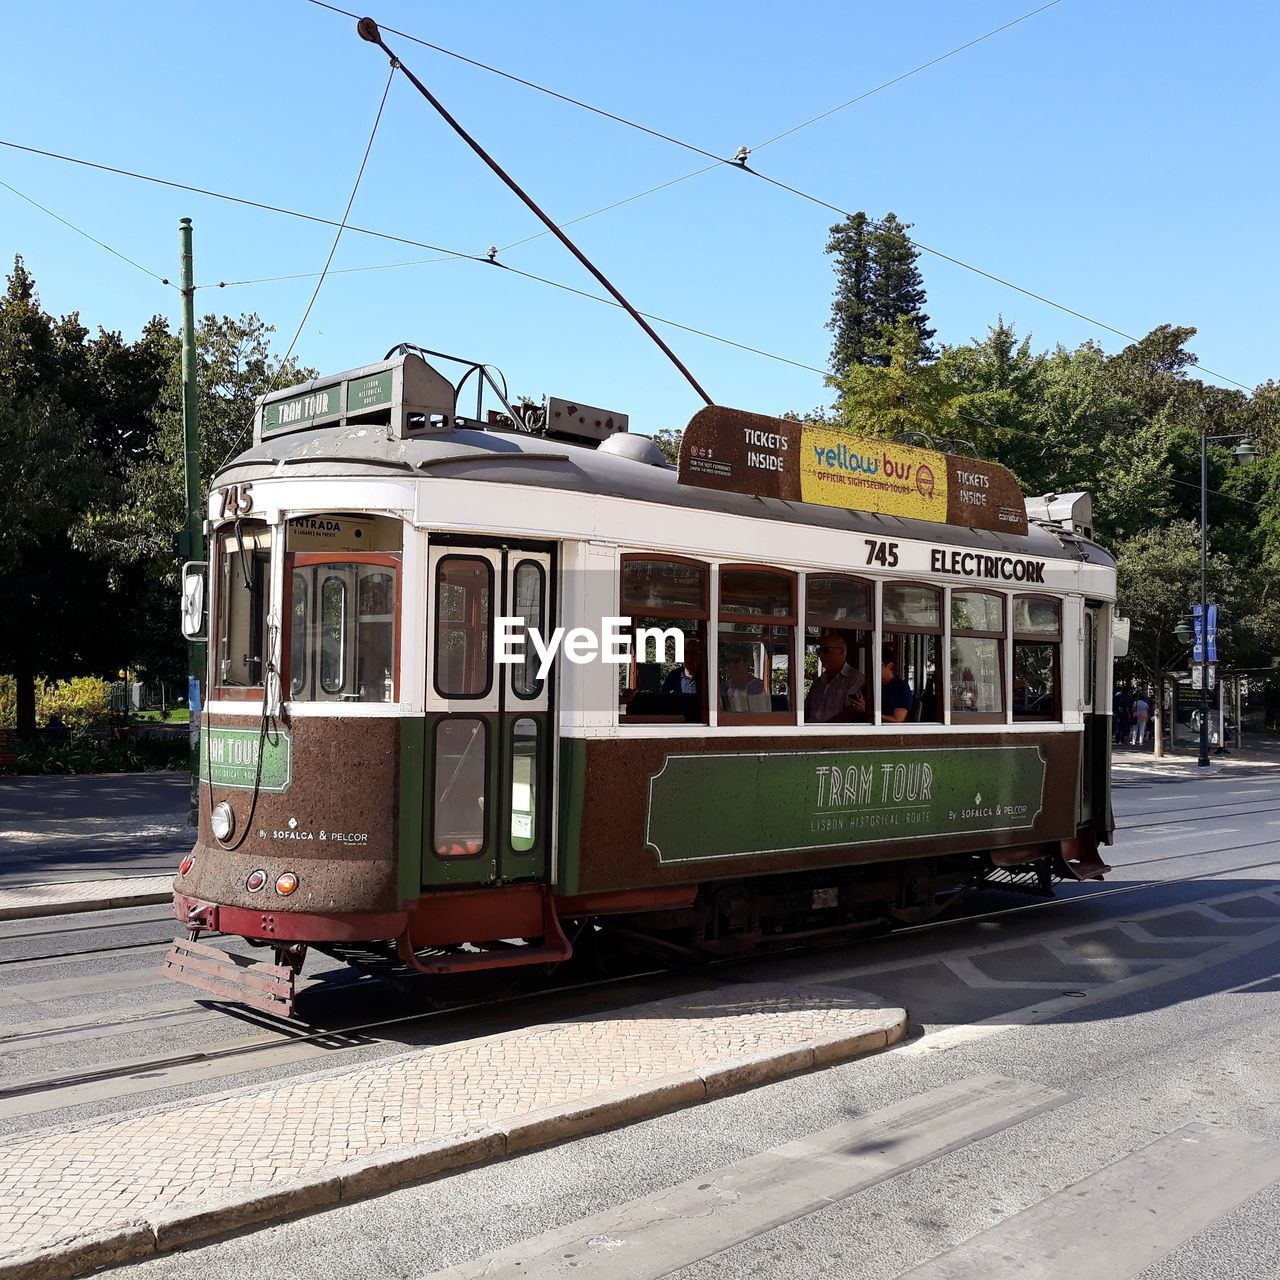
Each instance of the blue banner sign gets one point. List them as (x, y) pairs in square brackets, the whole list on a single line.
[(1213, 633), (1197, 648)]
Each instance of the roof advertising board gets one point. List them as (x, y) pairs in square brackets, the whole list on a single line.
[(750, 453)]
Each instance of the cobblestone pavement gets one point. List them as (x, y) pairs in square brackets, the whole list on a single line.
[(81, 895), (109, 1174)]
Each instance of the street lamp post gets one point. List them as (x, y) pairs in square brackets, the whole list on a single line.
[(1244, 454)]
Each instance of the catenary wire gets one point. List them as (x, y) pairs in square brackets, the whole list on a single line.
[(777, 182), (102, 244), (786, 133), (333, 248), (446, 253), (336, 271)]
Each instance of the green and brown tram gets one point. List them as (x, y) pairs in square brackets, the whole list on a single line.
[(381, 774)]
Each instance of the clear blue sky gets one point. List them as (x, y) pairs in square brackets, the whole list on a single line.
[(1117, 157)]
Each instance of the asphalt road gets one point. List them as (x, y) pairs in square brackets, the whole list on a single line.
[(1090, 1089), (92, 826)]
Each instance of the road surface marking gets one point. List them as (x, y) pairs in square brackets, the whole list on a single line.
[(699, 1218), (1123, 1218)]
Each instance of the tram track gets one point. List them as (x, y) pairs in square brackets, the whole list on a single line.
[(362, 1034), (1194, 809)]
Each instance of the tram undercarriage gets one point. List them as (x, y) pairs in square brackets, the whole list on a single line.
[(718, 920)]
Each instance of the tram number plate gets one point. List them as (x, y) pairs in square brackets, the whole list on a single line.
[(236, 500), (825, 898), (882, 553)]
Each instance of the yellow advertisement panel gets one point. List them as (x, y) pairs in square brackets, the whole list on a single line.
[(861, 474)]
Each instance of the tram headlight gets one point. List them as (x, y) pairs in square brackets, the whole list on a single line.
[(222, 821)]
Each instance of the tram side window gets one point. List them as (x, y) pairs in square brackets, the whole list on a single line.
[(838, 668), (663, 596), (977, 656), (244, 586), (909, 671), (1037, 647), (342, 620), (757, 613), (464, 620)]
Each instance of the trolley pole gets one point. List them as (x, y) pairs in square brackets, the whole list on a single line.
[(192, 544)]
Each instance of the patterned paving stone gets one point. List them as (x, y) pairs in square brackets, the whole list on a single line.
[(111, 1172)]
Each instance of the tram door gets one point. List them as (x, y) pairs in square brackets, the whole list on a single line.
[(489, 748), (1095, 742)]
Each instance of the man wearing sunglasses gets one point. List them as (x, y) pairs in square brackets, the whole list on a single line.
[(837, 693)]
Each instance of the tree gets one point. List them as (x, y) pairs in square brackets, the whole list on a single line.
[(852, 319), (234, 366), (1157, 581), (877, 281), (668, 439), (897, 288), (898, 392), (72, 416)]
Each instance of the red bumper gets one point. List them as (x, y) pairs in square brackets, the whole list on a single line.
[(288, 926)]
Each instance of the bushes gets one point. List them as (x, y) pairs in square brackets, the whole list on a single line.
[(82, 752), (79, 702), (84, 744)]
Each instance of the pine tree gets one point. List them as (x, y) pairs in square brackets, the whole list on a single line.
[(852, 321), (877, 281), (897, 288)]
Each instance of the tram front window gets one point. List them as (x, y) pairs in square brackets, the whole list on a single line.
[(244, 583), (342, 618)]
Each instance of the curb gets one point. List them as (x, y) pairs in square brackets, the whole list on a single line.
[(403, 1166), (29, 911)]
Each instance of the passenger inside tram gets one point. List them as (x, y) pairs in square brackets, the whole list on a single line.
[(741, 688), (838, 691), (897, 700)]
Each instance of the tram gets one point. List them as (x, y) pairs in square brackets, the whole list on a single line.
[(895, 685)]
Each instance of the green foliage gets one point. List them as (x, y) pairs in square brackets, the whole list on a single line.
[(89, 753), (668, 440), (1158, 579), (79, 702), (877, 284)]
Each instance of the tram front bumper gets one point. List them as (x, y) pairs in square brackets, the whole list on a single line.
[(255, 983)]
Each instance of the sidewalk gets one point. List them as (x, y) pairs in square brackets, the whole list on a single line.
[(119, 1190), (91, 827), (1258, 753), (23, 902)]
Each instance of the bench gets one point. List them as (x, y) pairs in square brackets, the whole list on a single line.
[(7, 754)]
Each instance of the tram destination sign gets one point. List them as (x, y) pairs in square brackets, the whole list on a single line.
[(404, 392), (779, 802), (750, 453)]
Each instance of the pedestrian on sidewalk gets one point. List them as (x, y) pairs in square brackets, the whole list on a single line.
[(1141, 713), (1120, 714)]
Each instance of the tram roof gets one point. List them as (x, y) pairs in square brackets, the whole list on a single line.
[(517, 458)]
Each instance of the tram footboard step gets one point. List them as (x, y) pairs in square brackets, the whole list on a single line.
[(259, 985)]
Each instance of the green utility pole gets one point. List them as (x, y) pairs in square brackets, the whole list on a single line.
[(191, 543)]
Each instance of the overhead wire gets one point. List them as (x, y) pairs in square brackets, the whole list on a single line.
[(740, 163), (102, 244), (333, 248), (445, 253)]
